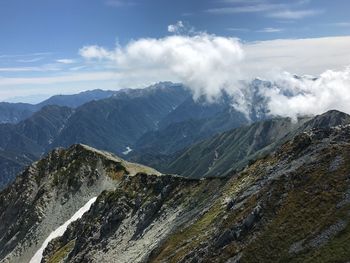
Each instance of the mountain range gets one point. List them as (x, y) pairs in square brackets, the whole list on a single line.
[(140, 124), (289, 204), (16, 112)]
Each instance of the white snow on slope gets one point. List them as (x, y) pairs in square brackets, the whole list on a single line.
[(60, 230), (127, 151)]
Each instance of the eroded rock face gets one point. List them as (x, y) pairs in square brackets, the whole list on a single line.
[(49, 192)]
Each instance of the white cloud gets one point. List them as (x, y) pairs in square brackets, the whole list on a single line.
[(119, 3), (206, 63), (298, 56), (294, 14), (30, 60), (65, 61), (242, 1), (43, 68), (270, 30), (290, 10), (238, 29), (209, 64), (25, 55), (306, 96), (176, 28), (244, 9), (93, 52), (341, 24)]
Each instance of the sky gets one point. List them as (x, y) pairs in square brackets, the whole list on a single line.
[(65, 46)]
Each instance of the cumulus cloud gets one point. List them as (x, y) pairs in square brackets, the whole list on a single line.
[(176, 28), (95, 52), (293, 96), (206, 63), (210, 64)]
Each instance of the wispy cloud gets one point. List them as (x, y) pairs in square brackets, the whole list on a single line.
[(19, 69), (65, 61), (25, 55), (341, 24), (30, 60), (242, 1), (270, 30), (288, 11), (78, 77), (119, 3), (244, 9), (44, 68), (294, 14), (238, 29)]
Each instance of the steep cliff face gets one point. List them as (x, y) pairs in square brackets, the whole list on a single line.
[(50, 191), (291, 206)]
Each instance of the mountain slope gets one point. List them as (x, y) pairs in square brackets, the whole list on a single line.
[(25, 142), (234, 149), (15, 112), (76, 100), (291, 206), (179, 135), (116, 123), (48, 192)]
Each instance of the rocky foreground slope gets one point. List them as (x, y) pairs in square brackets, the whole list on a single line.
[(50, 191), (290, 206)]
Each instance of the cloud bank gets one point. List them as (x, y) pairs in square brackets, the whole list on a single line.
[(291, 96), (205, 63), (209, 64)]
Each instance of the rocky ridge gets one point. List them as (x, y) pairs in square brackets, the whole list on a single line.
[(290, 206), (50, 191)]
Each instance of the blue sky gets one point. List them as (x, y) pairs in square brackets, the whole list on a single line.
[(41, 39)]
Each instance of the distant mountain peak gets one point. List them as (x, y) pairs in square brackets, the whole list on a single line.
[(328, 119)]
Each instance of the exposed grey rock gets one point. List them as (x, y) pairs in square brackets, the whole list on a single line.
[(296, 247), (327, 234), (50, 191), (336, 163)]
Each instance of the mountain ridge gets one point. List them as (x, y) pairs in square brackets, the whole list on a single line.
[(292, 204), (49, 191)]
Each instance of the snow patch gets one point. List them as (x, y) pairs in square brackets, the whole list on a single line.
[(127, 151), (60, 230)]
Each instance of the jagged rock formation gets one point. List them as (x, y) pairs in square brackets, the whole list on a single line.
[(50, 191)]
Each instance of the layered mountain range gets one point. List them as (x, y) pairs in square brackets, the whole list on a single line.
[(289, 202), (16, 112), (141, 124)]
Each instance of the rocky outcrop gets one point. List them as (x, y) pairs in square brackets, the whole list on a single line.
[(50, 191)]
